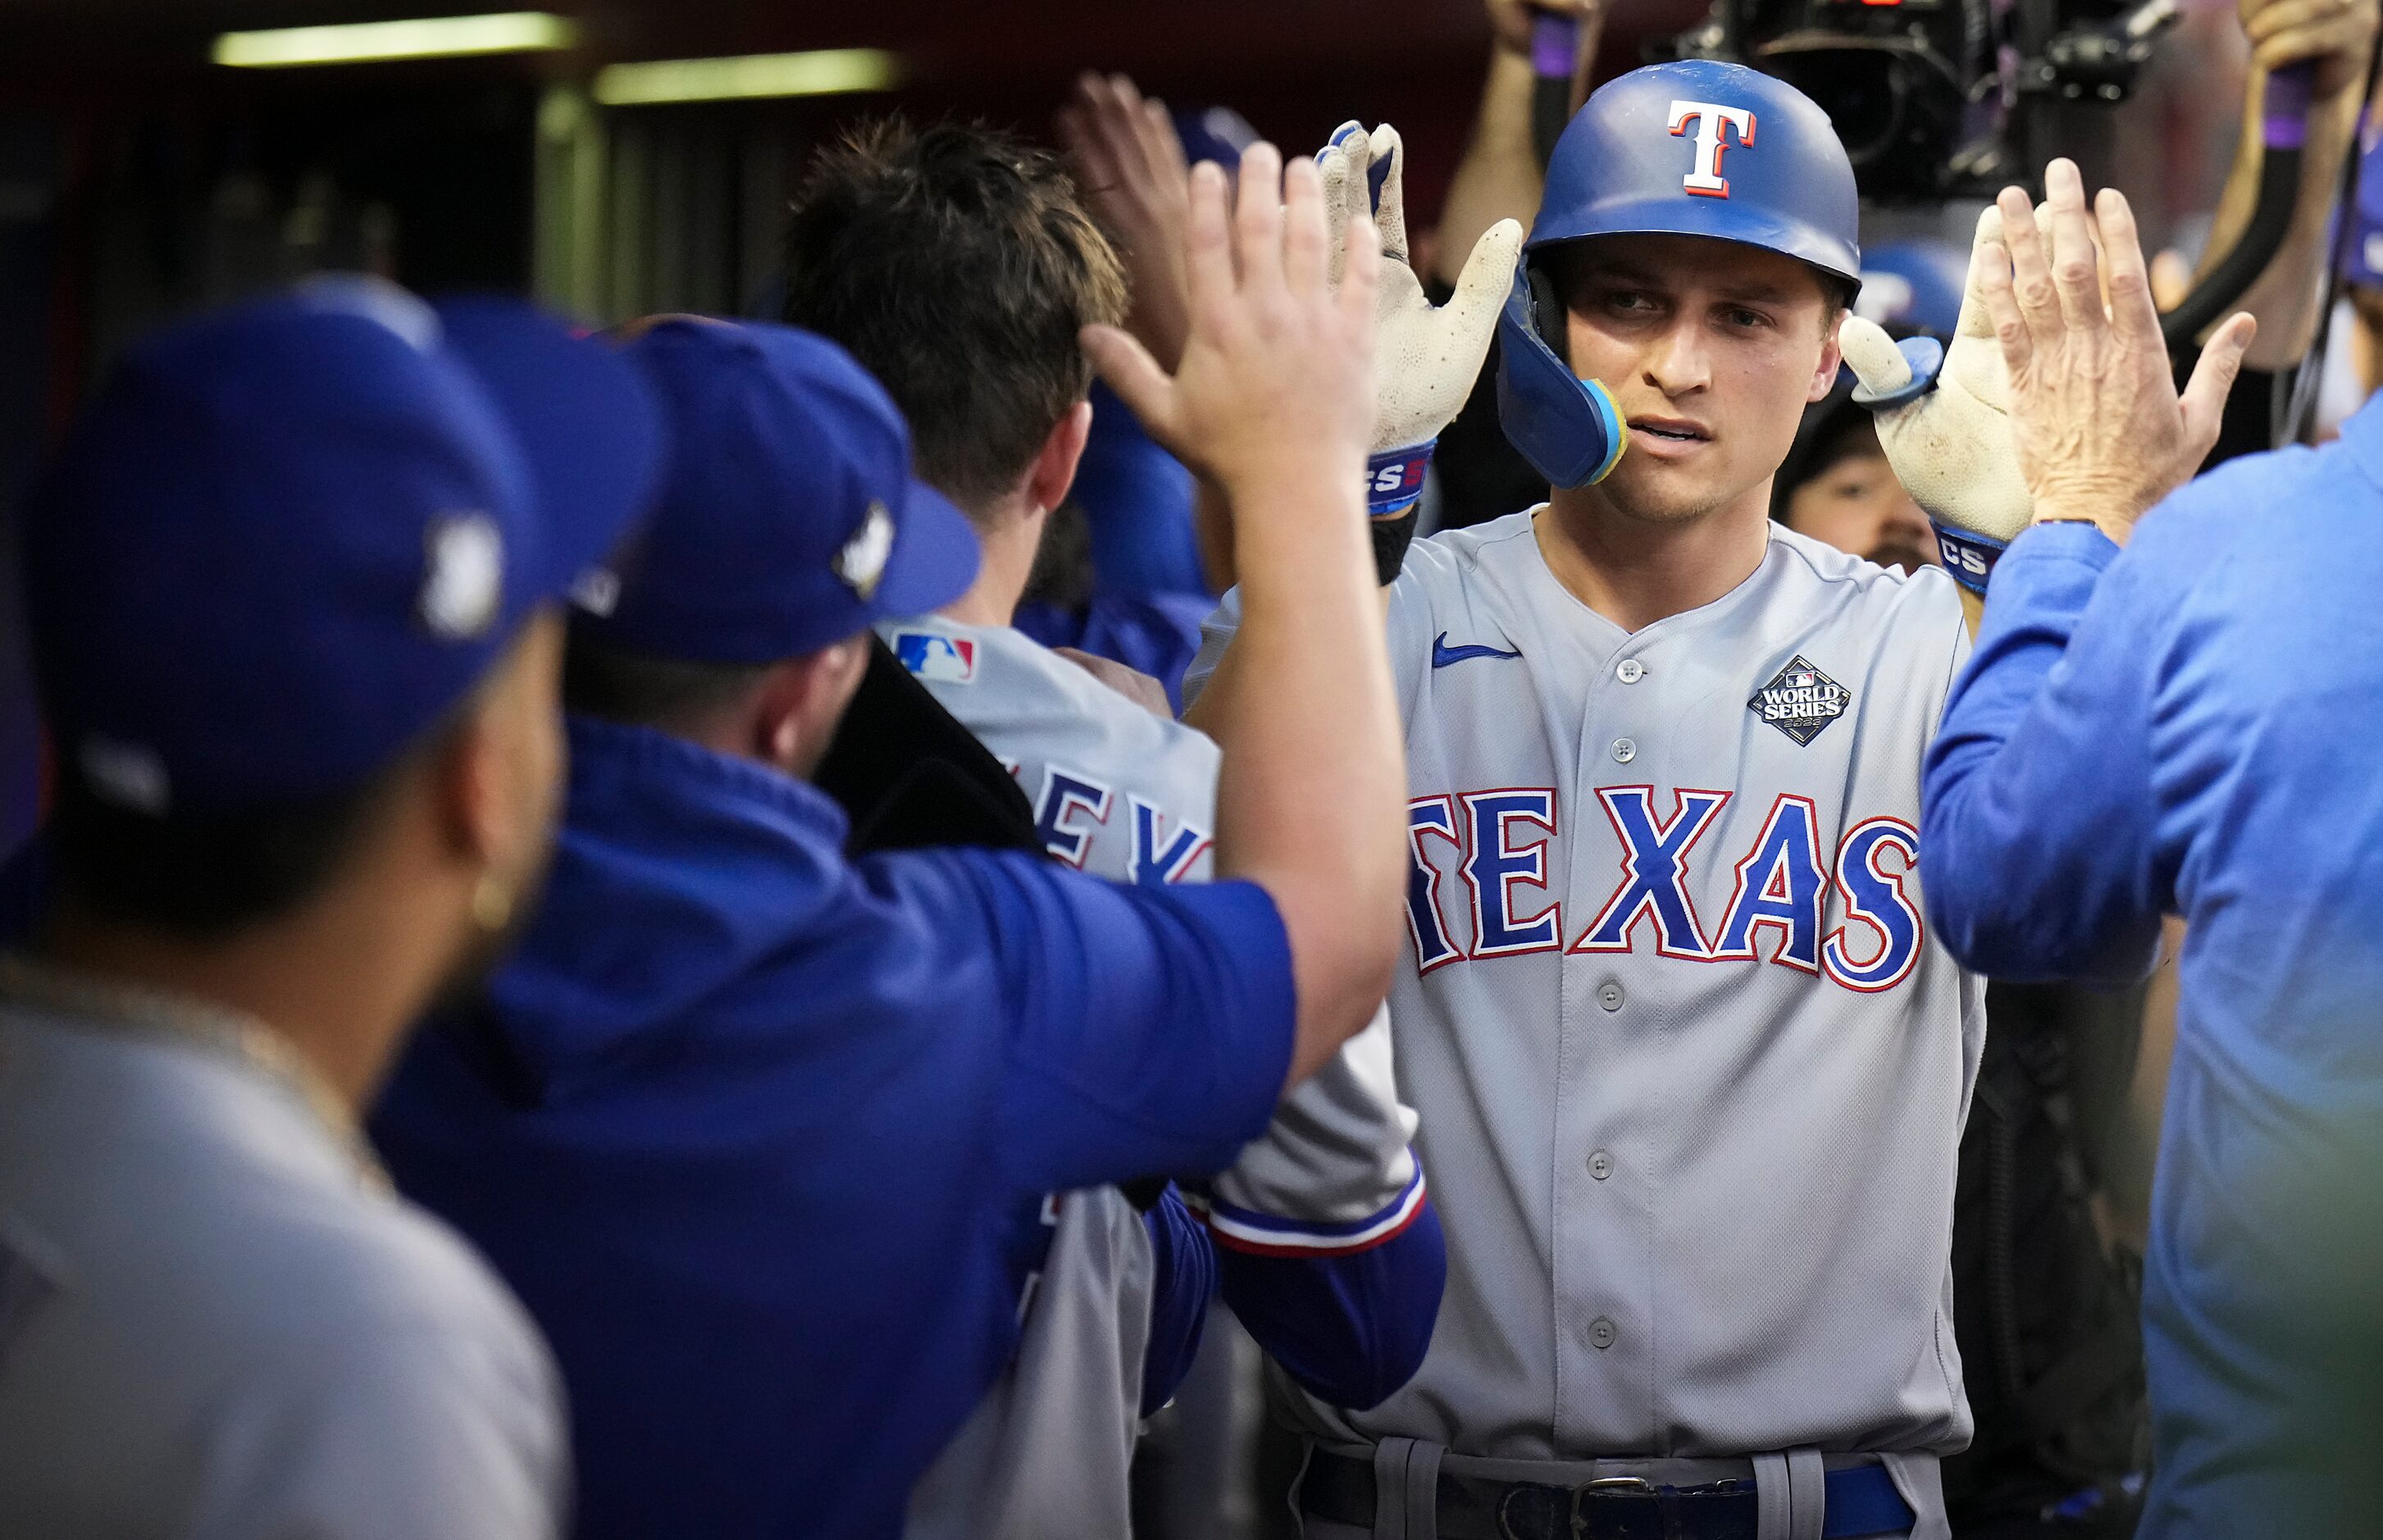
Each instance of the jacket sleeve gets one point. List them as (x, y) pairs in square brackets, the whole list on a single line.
[(2038, 826)]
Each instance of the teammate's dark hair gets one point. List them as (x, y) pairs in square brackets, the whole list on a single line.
[(956, 262), (641, 690), (206, 879)]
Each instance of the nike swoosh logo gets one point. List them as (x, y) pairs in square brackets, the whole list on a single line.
[(1443, 654)]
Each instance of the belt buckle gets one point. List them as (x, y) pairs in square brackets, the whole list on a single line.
[(1598, 1486)]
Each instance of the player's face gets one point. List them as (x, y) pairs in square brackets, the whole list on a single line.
[(1712, 350), (1858, 505)]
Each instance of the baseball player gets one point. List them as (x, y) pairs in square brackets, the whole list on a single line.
[(1330, 1252), (1690, 1068)]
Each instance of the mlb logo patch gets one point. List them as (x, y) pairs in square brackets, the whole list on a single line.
[(938, 659), (1800, 701)]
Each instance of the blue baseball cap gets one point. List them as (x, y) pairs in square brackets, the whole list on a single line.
[(289, 536), (790, 519)]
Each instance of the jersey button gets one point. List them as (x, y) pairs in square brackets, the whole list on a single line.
[(1608, 995), (1630, 670), (1624, 751), (1600, 1164), (1602, 1334)]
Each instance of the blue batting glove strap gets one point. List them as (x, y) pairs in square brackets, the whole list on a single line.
[(1925, 357), (1394, 478), (1970, 557)]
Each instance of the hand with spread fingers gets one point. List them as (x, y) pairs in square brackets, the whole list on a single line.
[(1273, 387), (2101, 432), (1952, 446), (1425, 359), (1130, 167)]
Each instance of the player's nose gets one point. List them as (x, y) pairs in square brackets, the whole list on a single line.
[(1678, 361)]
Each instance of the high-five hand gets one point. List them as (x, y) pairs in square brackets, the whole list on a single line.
[(1130, 167), (1953, 447), (1275, 384), (2101, 431), (1425, 359)]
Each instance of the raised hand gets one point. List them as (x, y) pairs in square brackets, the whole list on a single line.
[(1425, 359), (1130, 164), (1274, 385), (2101, 431), (1953, 448), (2336, 34)]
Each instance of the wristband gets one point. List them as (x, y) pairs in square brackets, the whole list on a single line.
[(1970, 557), (1394, 478)]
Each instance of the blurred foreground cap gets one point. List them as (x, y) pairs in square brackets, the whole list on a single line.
[(790, 519), (288, 536)]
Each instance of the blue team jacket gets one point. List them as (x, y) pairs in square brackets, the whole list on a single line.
[(751, 1128), (2194, 726)]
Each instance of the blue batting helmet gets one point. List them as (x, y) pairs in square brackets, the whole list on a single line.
[(1698, 147), (1914, 284)]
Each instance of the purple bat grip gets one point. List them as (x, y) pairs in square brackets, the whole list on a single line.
[(2285, 112), (1555, 43)]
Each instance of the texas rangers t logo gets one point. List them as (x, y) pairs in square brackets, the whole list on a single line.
[(1705, 178)]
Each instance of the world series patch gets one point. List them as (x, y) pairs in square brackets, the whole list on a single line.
[(1800, 700)]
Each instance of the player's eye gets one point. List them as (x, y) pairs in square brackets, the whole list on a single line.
[(1744, 319), (1630, 302)]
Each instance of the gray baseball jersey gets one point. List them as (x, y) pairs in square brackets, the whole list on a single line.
[(216, 1321), (1127, 795), (1690, 1070)]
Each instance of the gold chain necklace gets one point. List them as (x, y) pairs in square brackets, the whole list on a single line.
[(85, 998)]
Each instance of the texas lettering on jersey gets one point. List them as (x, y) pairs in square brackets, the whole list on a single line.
[(1072, 810), (1851, 920)]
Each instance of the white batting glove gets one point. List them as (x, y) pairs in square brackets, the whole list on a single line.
[(1425, 360), (1952, 446)]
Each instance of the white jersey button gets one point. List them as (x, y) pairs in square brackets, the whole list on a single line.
[(1630, 671), (1600, 1164), (1608, 995), (1624, 751), (1601, 1333)]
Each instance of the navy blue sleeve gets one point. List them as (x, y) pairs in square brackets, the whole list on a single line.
[(1350, 1328), (1184, 1281), (1150, 1028), (2038, 826)]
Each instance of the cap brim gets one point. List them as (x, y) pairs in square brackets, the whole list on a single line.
[(934, 560), (587, 425)]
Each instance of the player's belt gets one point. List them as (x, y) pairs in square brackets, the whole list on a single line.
[(1861, 1500)]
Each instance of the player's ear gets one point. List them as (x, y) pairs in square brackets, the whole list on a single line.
[(800, 702), (496, 769), (1054, 470), (1824, 378)]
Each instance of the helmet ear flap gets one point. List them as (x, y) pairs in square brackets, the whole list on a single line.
[(1548, 312), (1567, 427)]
